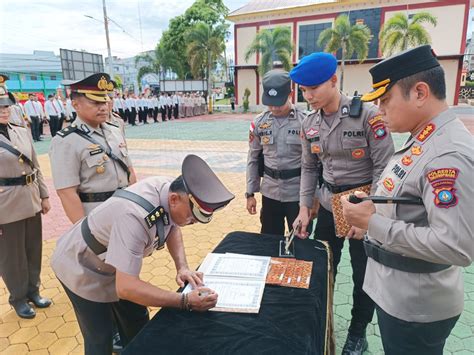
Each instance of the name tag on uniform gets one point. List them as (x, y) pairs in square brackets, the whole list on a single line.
[(353, 134), (96, 151)]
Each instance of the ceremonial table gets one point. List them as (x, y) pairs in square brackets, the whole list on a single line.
[(290, 321)]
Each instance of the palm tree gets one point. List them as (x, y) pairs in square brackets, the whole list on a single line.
[(272, 44), (205, 47), (401, 32), (347, 38)]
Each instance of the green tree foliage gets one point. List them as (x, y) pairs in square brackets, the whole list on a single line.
[(401, 32), (205, 48), (246, 99), (174, 40), (272, 44), (348, 38)]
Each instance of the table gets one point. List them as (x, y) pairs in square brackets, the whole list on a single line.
[(290, 321)]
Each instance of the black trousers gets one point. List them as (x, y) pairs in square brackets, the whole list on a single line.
[(97, 322), (175, 111), (150, 112), (61, 121), (155, 114), (20, 257), (274, 213), (133, 116), (122, 114), (74, 115), (127, 115), (35, 128), (163, 114), (170, 111), (362, 304), (411, 338), (53, 125)]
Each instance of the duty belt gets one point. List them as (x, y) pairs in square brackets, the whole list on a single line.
[(95, 196), (282, 174), (19, 181), (400, 262), (341, 188)]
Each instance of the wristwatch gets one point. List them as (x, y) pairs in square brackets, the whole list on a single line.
[(249, 194)]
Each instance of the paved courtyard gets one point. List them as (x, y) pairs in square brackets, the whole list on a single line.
[(221, 139)]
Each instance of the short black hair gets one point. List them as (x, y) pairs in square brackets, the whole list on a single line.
[(434, 77), (50, 96), (178, 185)]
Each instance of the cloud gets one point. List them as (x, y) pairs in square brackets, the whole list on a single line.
[(51, 24)]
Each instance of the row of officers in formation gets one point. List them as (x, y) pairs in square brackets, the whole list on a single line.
[(56, 111), (408, 240)]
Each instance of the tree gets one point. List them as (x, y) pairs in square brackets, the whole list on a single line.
[(400, 32), (206, 45), (272, 44), (348, 38), (174, 40)]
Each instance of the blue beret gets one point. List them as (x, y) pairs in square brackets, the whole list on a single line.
[(314, 69)]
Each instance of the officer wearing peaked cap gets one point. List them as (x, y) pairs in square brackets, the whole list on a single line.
[(275, 135), (416, 252), (24, 197), (89, 159), (353, 145), (98, 260)]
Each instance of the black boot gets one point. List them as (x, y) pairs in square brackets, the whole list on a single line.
[(40, 302), (24, 310), (355, 345)]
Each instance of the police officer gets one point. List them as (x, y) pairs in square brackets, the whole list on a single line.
[(23, 196), (353, 152), (417, 251), (89, 159), (275, 133), (98, 260)]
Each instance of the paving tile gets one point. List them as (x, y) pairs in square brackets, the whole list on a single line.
[(50, 324), (16, 349), (4, 343), (23, 335), (38, 352), (63, 346), (42, 341), (69, 329), (7, 329)]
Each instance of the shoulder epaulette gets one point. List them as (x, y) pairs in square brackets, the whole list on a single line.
[(112, 124), (66, 131), (16, 125)]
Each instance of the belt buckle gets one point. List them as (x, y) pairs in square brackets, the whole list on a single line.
[(277, 174), (29, 179)]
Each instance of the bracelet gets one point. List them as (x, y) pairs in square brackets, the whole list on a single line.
[(187, 305), (182, 303)]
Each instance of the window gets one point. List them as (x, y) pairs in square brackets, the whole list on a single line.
[(33, 77), (53, 77), (308, 38)]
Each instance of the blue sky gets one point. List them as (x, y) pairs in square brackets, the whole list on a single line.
[(53, 24)]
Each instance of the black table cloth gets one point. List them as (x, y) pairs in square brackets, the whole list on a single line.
[(290, 321)]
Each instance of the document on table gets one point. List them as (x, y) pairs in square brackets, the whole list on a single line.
[(238, 279)]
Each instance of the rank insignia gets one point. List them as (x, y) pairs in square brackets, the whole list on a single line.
[(407, 160), (315, 148), (416, 150), (153, 217), (265, 139), (310, 133), (388, 184), (426, 132), (264, 125), (442, 181), (358, 153)]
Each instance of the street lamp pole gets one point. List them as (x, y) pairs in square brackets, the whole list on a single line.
[(106, 24)]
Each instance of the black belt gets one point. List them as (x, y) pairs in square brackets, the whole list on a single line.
[(341, 188), (282, 174), (90, 240), (21, 180), (400, 262), (95, 196)]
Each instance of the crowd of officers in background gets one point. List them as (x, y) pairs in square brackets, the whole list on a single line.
[(133, 109)]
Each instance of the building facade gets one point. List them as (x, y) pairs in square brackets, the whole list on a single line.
[(308, 18), (39, 72)]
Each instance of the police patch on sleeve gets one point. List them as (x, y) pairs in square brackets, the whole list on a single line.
[(443, 180), (378, 127)]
